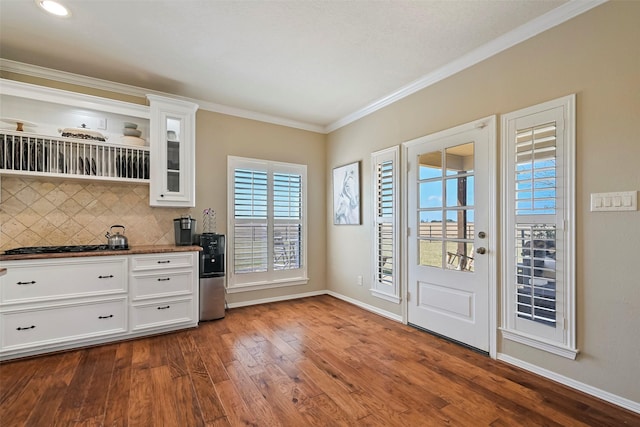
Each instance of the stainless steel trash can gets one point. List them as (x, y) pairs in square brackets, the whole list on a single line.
[(212, 303)]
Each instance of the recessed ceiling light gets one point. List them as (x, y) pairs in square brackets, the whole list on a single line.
[(54, 8)]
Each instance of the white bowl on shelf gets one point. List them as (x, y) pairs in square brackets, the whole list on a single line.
[(133, 140), (130, 125), (131, 132)]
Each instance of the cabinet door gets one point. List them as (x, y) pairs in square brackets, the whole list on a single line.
[(172, 152)]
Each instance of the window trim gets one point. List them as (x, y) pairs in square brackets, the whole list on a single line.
[(378, 289), (271, 278), (565, 345)]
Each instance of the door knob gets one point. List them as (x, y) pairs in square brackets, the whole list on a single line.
[(482, 234), (481, 250)]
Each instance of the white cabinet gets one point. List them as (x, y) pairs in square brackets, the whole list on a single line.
[(63, 278), (173, 152), (70, 135), (61, 303), (52, 325), (163, 290)]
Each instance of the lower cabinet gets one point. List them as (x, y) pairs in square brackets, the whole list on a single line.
[(63, 303), (161, 313), (29, 328)]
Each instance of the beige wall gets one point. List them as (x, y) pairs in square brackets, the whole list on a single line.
[(597, 56), (220, 136)]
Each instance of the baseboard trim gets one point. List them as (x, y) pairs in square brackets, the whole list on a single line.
[(275, 299), (376, 310), (585, 388)]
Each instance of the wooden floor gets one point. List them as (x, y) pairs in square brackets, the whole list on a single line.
[(310, 362)]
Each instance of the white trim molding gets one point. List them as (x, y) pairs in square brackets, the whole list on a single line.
[(364, 306), (345, 298), (569, 382), (275, 299)]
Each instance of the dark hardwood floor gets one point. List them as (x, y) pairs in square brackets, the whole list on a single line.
[(310, 362)]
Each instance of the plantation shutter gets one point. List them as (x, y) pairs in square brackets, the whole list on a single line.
[(385, 192), (267, 224), (538, 144), (250, 213), (287, 221)]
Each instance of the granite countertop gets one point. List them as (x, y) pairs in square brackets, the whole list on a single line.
[(133, 250)]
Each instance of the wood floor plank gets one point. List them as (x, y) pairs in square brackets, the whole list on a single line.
[(315, 361), (117, 412), (140, 397), (203, 387), (239, 412)]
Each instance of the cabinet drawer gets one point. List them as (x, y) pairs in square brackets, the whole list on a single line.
[(163, 261), (53, 325), (54, 279), (145, 316), (162, 285)]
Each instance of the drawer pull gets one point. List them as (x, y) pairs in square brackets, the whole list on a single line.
[(164, 308), (26, 283), (164, 262), (19, 328), (160, 279), (105, 317), (105, 277)]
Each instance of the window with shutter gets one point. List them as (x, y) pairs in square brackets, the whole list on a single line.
[(385, 282), (538, 200), (267, 225)]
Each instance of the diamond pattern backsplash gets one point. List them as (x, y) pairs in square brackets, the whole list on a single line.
[(37, 212)]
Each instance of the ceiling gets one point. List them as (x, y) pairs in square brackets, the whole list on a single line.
[(311, 63)]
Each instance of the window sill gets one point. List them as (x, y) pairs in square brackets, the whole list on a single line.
[(258, 286), (540, 344), (385, 296)]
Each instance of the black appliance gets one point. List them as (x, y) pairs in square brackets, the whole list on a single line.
[(60, 249), (184, 229), (212, 277)]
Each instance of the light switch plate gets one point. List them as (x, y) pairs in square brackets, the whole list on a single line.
[(616, 201)]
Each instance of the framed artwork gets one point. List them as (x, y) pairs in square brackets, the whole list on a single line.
[(346, 194)]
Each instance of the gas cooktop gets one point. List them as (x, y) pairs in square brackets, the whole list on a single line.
[(60, 249)]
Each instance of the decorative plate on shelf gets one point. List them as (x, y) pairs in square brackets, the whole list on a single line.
[(82, 133)]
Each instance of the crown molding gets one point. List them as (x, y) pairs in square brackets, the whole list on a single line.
[(100, 84), (532, 28)]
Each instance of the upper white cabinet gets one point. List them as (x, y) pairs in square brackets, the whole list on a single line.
[(173, 125), (55, 133)]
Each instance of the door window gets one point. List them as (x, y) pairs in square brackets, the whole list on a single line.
[(445, 208)]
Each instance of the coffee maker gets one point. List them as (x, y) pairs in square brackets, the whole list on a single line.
[(185, 230)]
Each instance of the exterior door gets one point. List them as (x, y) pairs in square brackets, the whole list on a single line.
[(448, 216)]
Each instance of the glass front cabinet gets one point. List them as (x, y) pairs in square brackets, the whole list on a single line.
[(173, 171)]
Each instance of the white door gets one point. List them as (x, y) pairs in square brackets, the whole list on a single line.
[(448, 216)]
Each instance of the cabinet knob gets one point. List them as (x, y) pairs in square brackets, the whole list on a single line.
[(19, 328), (162, 195), (105, 317), (164, 307), (26, 283)]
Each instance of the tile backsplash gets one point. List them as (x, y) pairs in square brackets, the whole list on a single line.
[(40, 212)]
